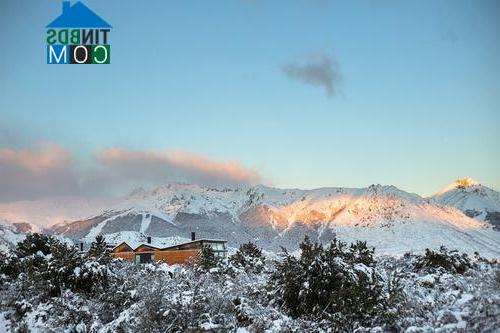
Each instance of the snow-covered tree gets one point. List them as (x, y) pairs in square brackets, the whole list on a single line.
[(337, 288), (99, 250), (248, 257)]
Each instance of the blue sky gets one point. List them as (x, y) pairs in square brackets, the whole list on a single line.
[(417, 105)]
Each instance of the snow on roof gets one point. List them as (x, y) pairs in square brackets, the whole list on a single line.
[(135, 239), (198, 240), (161, 245)]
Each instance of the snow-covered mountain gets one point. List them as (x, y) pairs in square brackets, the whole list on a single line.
[(390, 219), (473, 199), (13, 233), (45, 212), (10, 234)]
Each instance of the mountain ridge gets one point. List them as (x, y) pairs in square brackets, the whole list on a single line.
[(473, 199), (389, 218)]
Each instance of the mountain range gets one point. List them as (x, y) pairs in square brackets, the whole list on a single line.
[(465, 215)]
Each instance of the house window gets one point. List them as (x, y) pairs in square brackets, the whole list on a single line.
[(216, 246), (144, 258), (220, 254)]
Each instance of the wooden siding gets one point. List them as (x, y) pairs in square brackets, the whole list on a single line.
[(177, 256), (123, 247), (169, 257), (129, 256)]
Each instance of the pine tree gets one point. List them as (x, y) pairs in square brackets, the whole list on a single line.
[(207, 258), (59, 273), (362, 253), (450, 261), (99, 250), (248, 257), (32, 244), (336, 283)]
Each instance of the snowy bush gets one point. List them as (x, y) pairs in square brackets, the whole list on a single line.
[(337, 288), (450, 261), (45, 267), (337, 283)]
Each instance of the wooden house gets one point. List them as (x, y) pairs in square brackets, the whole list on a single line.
[(175, 254)]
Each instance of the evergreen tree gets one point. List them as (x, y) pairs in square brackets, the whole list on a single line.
[(362, 253), (207, 258), (336, 283), (99, 250), (9, 266), (309, 251), (32, 244), (248, 257), (59, 272), (443, 259)]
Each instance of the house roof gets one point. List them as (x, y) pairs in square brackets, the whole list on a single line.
[(120, 244), (146, 245), (196, 241), (135, 246), (78, 16)]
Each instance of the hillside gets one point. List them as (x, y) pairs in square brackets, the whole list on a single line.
[(392, 220)]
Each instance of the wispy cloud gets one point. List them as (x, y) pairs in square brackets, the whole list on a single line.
[(148, 168), (49, 170), (45, 170), (320, 71)]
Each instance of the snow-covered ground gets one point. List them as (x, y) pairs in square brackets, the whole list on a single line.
[(232, 298)]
